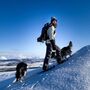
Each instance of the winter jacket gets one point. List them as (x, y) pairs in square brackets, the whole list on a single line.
[(51, 32)]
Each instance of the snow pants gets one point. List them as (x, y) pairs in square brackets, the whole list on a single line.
[(49, 54)]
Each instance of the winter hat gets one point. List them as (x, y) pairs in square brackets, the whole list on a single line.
[(53, 18)]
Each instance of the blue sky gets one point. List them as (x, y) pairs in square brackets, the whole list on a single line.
[(21, 22)]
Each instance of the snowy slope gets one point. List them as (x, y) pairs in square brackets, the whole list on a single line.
[(73, 74)]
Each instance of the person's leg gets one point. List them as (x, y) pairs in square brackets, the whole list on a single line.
[(58, 55), (53, 55), (48, 56)]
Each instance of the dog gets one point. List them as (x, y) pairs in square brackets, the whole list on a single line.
[(66, 51), (21, 69)]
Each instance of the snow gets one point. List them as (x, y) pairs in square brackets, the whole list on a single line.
[(3, 58), (74, 74)]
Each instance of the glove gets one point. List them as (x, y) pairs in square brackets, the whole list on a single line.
[(53, 44), (39, 39)]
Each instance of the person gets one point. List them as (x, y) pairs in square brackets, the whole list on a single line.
[(51, 47)]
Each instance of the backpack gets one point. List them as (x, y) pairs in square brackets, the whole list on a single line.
[(44, 36)]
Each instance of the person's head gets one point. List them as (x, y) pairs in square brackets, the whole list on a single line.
[(54, 21)]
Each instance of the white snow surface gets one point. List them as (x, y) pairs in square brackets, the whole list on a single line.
[(74, 74)]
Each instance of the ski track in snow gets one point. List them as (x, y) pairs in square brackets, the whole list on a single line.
[(73, 74)]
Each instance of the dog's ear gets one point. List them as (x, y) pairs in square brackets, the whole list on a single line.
[(70, 44)]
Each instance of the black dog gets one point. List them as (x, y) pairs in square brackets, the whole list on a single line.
[(66, 51), (20, 70)]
